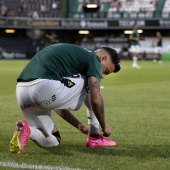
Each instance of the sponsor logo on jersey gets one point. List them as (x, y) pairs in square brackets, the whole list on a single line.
[(53, 98), (41, 103), (37, 104)]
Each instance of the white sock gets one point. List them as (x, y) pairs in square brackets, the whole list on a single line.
[(92, 120), (43, 141), (135, 59), (93, 123)]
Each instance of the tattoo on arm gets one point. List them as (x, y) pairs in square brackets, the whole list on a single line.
[(96, 85), (68, 116)]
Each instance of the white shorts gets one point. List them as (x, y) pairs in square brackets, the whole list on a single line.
[(135, 49), (37, 98), (158, 50)]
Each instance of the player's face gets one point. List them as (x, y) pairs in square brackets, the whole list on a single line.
[(107, 68), (136, 26), (158, 34)]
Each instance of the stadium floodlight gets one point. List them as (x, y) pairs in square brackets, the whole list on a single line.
[(91, 6), (83, 32), (9, 31), (130, 31), (140, 31)]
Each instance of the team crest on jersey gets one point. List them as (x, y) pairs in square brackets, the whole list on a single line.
[(68, 83)]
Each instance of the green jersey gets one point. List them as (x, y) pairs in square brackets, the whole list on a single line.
[(159, 42), (62, 60), (135, 34)]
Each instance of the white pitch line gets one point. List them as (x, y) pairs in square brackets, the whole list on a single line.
[(30, 166)]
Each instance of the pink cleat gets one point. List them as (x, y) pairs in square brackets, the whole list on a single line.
[(101, 141), (20, 137)]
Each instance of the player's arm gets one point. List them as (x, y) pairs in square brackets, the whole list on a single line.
[(97, 104), (70, 118), (52, 38), (157, 40), (55, 40), (48, 36)]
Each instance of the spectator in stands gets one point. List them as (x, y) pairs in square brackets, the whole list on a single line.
[(158, 48), (35, 15), (54, 5), (135, 49), (50, 81), (24, 9), (10, 13), (3, 9), (115, 6), (43, 8), (153, 2)]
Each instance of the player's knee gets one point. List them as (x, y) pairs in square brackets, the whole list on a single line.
[(50, 141)]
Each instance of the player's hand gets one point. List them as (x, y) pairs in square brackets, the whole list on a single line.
[(107, 131)]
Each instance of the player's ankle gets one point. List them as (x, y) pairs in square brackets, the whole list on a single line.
[(95, 136), (57, 135)]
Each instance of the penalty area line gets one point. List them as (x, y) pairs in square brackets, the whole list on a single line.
[(32, 166)]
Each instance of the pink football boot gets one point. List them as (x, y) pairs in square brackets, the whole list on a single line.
[(20, 137), (101, 141)]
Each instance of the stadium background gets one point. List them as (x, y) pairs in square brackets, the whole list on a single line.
[(24, 24), (138, 99)]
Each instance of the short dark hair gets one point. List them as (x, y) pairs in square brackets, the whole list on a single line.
[(114, 57)]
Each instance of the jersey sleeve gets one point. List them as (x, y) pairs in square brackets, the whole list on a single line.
[(94, 68)]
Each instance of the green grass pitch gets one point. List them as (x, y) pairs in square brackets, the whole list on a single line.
[(137, 106)]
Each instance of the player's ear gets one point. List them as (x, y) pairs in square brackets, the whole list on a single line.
[(103, 57)]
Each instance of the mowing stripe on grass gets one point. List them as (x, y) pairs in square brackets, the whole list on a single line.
[(30, 166)]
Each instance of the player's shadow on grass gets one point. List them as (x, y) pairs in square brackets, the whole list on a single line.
[(137, 151)]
